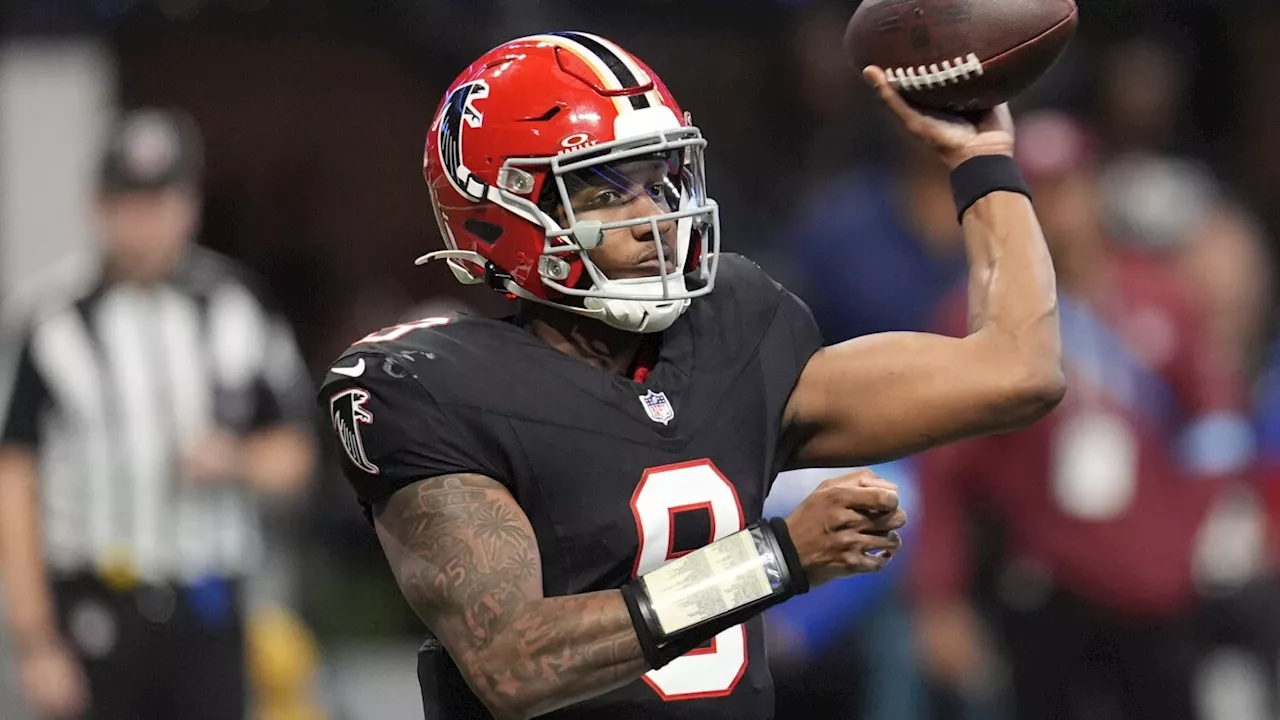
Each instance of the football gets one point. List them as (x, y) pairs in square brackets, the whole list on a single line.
[(960, 55)]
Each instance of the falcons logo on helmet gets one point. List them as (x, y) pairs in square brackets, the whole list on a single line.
[(460, 109), (348, 413)]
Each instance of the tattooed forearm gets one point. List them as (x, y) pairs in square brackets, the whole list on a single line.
[(467, 560)]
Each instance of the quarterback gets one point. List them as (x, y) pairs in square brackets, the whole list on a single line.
[(571, 498)]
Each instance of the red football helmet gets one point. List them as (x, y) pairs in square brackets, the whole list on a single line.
[(542, 110)]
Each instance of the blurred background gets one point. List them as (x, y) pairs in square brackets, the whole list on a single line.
[(1116, 561)]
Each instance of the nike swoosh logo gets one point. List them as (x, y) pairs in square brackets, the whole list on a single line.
[(354, 371)]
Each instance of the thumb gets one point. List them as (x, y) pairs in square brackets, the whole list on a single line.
[(876, 78)]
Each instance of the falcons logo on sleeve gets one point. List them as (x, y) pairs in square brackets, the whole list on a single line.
[(348, 413)]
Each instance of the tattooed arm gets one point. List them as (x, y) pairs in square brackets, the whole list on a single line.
[(467, 560)]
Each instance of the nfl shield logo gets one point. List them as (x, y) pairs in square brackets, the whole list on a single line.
[(658, 407)]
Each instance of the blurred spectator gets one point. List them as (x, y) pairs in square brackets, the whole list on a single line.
[(879, 247), (1102, 502), (1142, 94), (1152, 201), (155, 399), (1175, 209), (832, 97), (1225, 264), (1253, 623)]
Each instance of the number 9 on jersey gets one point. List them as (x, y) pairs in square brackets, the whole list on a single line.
[(663, 493)]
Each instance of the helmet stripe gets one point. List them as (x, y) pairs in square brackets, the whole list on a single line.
[(606, 75), (627, 58), (626, 78), (625, 72)]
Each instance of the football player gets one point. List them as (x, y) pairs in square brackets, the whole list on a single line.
[(571, 498)]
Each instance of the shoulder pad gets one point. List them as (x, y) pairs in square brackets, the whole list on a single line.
[(448, 355), (404, 334), (744, 293), (738, 273)]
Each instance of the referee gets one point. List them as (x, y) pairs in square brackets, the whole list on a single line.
[(155, 399)]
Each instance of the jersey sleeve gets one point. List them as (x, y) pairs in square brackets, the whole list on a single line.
[(23, 397), (389, 431), (793, 339), (790, 339)]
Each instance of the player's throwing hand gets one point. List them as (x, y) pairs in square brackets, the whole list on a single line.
[(847, 526), (955, 138)]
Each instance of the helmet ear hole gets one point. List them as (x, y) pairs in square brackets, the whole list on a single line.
[(486, 232), (546, 116)]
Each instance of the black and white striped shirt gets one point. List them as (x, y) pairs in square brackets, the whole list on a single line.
[(112, 380)]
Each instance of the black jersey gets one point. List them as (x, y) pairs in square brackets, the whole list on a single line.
[(616, 477)]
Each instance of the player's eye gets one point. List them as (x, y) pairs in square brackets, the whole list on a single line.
[(607, 197), (661, 193)]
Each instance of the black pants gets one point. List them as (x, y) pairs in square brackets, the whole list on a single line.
[(1072, 661), (157, 651)]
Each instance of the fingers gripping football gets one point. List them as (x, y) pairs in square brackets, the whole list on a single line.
[(847, 526), (955, 138)]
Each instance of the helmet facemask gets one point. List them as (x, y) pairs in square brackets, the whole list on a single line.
[(648, 303), (636, 304)]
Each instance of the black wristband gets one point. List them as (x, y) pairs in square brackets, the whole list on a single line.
[(782, 535), (642, 619), (980, 176)]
